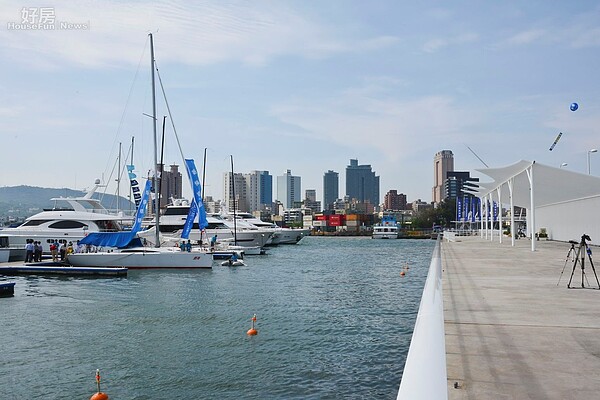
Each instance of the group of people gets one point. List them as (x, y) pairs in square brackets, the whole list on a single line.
[(58, 250), (187, 246), (33, 251)]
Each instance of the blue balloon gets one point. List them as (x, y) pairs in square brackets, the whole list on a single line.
[(574, 106)]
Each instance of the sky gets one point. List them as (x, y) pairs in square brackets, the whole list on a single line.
[(298, 85)]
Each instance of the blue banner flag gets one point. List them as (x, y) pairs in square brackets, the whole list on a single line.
[(135, 187), (141, 210), (197, 206), (459, 209)]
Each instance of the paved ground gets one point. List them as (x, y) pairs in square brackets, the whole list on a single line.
[(511, 332)]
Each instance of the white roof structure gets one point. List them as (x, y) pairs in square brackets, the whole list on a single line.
[(536, 185), (551, 185)]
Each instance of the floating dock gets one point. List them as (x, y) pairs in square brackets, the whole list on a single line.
[(60, 269)]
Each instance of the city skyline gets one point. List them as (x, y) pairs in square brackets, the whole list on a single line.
[(298, 85)]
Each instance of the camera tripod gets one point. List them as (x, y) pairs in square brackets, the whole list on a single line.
[(579, 258)]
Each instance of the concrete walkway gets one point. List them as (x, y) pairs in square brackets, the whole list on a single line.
[(511, 332)]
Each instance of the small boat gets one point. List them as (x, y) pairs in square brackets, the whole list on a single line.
[(7, 289), (233, 263)]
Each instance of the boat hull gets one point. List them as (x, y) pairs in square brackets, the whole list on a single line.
[(291, 236), (143, 259), (4, 255)]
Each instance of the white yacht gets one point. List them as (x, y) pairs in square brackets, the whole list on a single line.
[(69, 220), (280, 235), (172, 221)]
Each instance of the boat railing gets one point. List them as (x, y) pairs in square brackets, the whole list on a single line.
[(424, 375)]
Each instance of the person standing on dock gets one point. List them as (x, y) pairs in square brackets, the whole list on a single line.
[(54, 250), (37, 251), (63, 251), (29, 248)]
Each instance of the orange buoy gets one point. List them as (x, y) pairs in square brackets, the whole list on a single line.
[(252, 331), (99, 395)]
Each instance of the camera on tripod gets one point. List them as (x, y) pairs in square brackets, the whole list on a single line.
[(577, 256)]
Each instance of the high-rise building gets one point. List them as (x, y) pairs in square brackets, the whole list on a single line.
[(361, 183), (394, 201), (170, 184), (443, 162), (259, 189), (288, 189), (330, 189), (457, 182), (236, 186), (310, 201)]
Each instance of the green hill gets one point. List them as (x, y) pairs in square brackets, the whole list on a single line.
[(18, 202)]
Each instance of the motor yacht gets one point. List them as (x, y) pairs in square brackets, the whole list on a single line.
[(69, 220), (280, 235), (172, 221)]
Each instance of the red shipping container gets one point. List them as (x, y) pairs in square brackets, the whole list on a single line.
[(335, 220)]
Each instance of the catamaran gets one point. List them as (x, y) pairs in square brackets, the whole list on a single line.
[(126, 248)]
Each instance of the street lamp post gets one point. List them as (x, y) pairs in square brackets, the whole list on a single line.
[(588, 158)]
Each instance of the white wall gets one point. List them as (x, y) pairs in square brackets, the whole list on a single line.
[(569, 220)]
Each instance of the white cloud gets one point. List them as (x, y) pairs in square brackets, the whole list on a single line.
[(190, 33), (435, 44), (367, 117), (527, 37)]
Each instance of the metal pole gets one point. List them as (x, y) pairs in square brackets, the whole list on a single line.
[(156, 204), (499, 190), (513, 231)]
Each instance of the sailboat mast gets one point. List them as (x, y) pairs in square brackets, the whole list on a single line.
[(156, 199), (234, 216), (119, 180)]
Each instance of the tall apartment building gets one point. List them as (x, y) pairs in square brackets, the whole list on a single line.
[(394, 201), (288, 189), (310, 201), (361, 183), (259, 189), (330, 189), (443, 162), (235, 183), (170, 184), (253, 191)]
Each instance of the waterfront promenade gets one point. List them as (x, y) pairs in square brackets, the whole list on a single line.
[(511, 332)]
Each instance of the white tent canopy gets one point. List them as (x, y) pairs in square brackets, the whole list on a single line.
[(537, 185), (552, 185)]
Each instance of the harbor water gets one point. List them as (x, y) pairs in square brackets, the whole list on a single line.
[(334, 321)]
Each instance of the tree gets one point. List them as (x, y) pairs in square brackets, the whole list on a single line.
[(442, 215)]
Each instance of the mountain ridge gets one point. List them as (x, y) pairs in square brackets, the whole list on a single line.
[(18, 202)]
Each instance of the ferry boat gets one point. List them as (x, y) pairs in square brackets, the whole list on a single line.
[(387, 229)]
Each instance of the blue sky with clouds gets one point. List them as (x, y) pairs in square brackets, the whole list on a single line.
[(300, 85)]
